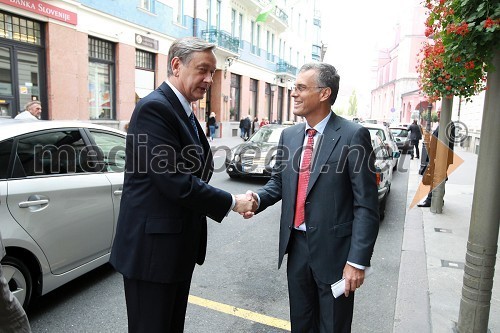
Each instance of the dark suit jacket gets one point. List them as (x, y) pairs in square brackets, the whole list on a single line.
[(341, 210), (162, 230)]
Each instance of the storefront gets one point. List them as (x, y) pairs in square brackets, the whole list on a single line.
[(22, 64)]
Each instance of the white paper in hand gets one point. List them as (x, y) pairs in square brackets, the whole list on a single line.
[(338, 288)]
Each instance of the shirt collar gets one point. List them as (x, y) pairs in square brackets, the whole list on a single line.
[(185, 104), (320, 127)]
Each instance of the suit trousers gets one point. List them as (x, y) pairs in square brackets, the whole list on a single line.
[(313, 309), (156, 307)]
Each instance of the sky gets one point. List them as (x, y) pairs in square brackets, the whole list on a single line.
[(354, 31)]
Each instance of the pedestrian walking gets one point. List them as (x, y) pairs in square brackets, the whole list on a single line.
[(415, 137)]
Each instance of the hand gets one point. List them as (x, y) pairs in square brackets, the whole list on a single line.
[(245, 203), (250, 214), (354, 278)]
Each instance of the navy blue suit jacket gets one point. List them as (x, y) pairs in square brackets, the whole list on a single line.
[(162, 226)]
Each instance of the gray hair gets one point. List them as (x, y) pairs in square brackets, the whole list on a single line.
[(184, 48), (30, 104), (327, 76)]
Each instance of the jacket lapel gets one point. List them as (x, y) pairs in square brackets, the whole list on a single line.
[(205, 156), (326, 145), (295, 146)]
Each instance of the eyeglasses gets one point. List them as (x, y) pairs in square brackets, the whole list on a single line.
[(302, 88)]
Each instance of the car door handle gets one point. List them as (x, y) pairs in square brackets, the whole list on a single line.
[(26, 204), (117, 192)]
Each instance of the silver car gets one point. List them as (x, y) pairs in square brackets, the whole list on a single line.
[(60, 191), (385, 134)]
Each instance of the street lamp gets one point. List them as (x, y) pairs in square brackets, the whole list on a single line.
[(427, 139)]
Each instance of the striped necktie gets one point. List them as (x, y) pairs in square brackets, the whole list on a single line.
[(304, 173), (193, 123)]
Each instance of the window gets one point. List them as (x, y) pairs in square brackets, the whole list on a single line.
[(101, 79), (240, 22), (253, 96), (268, 45), (234, 108), (5, 151), (258, 40), (53, 153), (144, 73), (145, 4), (112, 148), (20, 29), (252, 37), (144, 60), (180, 12), (233, 23)]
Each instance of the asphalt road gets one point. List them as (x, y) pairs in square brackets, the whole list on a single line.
[(239, 288)]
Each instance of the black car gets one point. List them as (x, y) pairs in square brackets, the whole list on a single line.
[(402, 138), (255, 157)]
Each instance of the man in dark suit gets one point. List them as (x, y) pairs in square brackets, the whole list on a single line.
[(415, 137), (162, 226), (329, 217)]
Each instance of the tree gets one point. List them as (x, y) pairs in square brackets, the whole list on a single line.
[(353, 104)]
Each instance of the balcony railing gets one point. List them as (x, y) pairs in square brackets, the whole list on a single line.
[(284, 67), (278, 12), (222, 39)]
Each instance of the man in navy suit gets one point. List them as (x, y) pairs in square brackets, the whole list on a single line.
[(162, 227), (329, 218)]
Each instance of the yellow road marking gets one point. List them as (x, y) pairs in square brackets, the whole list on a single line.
[(242, 313)]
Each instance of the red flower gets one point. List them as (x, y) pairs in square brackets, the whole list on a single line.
[(469, 65)]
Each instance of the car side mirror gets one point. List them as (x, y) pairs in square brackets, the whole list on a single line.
[(396, 154)]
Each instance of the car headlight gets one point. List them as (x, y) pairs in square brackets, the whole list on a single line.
[(236, 157)]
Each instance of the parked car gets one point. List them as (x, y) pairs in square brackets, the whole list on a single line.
[(60, 191), (402, 138), (383, 132), (255, 157), (383, 168)]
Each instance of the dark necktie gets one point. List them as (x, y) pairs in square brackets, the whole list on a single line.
[(304, 173), (193, 123)]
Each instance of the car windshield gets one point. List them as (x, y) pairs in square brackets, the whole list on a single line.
[(267, 135), (399, 132)]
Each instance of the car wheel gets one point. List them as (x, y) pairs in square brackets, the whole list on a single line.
[(18, 278)]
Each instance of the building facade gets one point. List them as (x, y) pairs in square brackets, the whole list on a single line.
[(92, 60), (397, 97)]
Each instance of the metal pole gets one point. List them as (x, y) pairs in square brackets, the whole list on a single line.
[(485, 217), (441, 153), (427, 138)]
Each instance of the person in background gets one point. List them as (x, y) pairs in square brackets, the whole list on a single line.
[(242, 128), (264, 122), (247, 126), (161, 231), (255, 125), (329, 212), (13, 319), (32, 110), (211, 125), (431, 157), (415, 137)]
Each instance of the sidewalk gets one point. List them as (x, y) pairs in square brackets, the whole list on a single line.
[(433, 256)]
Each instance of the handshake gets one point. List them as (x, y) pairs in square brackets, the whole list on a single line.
[(246, 204)]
